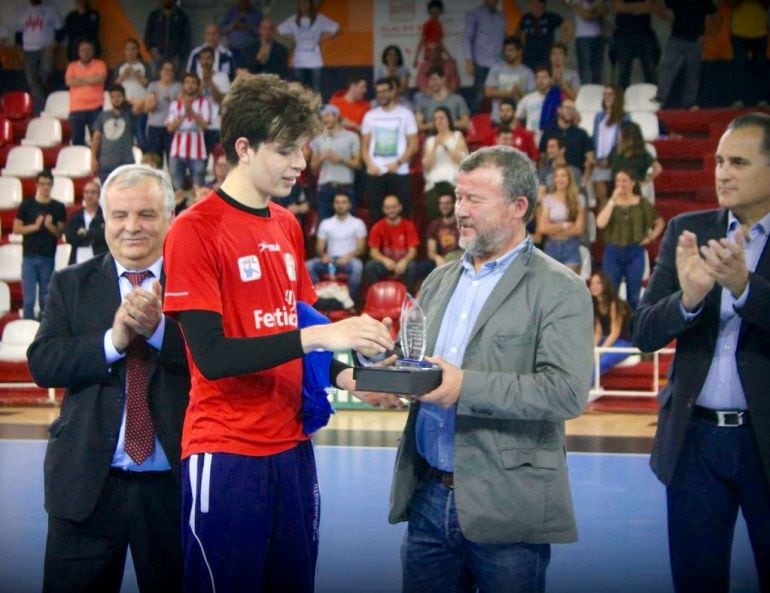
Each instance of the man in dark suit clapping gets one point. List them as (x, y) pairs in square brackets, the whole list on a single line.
[(85, 228), (112, 462)]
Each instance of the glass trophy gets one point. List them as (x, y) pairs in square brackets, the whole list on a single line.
[(411, 375)]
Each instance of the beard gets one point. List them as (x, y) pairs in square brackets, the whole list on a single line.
[(484, 244)]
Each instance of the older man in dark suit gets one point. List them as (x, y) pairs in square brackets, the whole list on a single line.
[(711, 292), (112, 463), (85, 228)]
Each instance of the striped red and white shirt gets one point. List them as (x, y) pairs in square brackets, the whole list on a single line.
[(188, 142)]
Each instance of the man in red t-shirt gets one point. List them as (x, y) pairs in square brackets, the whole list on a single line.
[(352, 103), (393, 243), (236, 281)]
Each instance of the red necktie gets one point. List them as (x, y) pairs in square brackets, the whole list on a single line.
[(140, 432)]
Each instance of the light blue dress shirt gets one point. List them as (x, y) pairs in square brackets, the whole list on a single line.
[(483, 36), (722, 389), (157, 461), (436, 425)]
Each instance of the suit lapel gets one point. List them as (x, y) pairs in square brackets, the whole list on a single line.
[(436, 314)]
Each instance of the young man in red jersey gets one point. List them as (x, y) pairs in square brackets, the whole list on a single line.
[(236, 279)]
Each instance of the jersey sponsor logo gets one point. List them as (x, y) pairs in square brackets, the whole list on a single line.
[(291, 299), (291, 266), (280, 317), (264, 245), (249, 267)]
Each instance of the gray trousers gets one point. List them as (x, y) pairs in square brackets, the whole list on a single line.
[(38, 66), (680, 55)]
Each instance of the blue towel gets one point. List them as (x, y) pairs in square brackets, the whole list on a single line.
[(316, 409)]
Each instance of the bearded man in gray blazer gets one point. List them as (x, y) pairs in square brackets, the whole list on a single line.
[(481, 473)]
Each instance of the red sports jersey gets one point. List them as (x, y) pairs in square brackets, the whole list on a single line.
[(221, 257)]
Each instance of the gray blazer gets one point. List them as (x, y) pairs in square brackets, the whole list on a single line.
[(527, 368)]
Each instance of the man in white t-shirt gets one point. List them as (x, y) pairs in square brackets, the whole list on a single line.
[(340, 245), (530, 107), (509, 79), (388, 142), (38, 29)]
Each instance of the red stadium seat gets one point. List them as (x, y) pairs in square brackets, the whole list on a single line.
[(19, 108), (384, 299)]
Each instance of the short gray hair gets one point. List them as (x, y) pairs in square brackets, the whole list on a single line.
[(131, 176), (519, 172)]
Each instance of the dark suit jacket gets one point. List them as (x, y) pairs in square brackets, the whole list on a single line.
[(658, 320), (94, 233), (68, 351)]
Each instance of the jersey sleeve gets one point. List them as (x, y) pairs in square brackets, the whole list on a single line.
[(192, 269)]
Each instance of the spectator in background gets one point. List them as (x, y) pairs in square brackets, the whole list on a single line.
[(509, 79), (483, 37), (537, 30), (630, 223), (683, 49), (561, 219), (539, 108), (635, 39), (431, 33), (85, 78), (167, 35), (748, 32), (392, 65), (388, 143), (437, 59), (511, 132), (352, 103), (555, 156), (240, 26), (38, 29), (605, 136), (589, 39), (40, 222), (224, 61), (393, 243), (188, 119), (340, 245), (113, 139), (131, 74), (265, 55), (438, 95), (442, 237), (305, 31), (565, 78), (85, 228), (214, 86), (82, 23), (611, 317), (577, 142), (160, 94), (631, 154), (441, 156), (336, 156)]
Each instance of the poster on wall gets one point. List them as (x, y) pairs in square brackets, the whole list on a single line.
[(399, 22)]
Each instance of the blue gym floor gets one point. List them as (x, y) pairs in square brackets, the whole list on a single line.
[(620, 510)]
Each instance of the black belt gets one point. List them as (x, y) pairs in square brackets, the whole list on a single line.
[(446, 478), (129, 475), (731, 418)]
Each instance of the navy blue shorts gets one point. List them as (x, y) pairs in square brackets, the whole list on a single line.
[(250, 523)]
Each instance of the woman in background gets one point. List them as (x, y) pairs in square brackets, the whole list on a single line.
[(606, 126), (393, 65), (630, 223), (160, 94), (611, 316), (442, 153), (562, 219)]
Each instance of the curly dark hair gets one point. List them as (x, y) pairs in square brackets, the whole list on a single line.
[(266, 108)]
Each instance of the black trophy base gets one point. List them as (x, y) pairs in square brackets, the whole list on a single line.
[(406, 379)]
